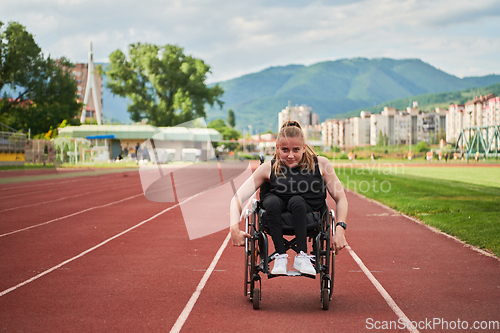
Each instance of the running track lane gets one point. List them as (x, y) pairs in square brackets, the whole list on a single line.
[(350, 301), (124, 284), (427, 274)]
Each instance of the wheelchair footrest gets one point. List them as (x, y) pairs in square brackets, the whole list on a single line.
[(291, 273)]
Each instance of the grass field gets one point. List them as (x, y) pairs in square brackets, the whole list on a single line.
[(472, 175), (460, 201)]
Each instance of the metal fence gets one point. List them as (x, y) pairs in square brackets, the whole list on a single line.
[(10, 140), (40, 151)]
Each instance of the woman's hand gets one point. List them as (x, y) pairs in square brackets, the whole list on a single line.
[(339, 241), (238, 237)]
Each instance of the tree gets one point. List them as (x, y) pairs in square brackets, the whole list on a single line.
[(37, 92), (162, 83), (217, 124), (230, 118), (227, 133)]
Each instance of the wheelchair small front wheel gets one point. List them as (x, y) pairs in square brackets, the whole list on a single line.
[(325, 298), (256, 298)]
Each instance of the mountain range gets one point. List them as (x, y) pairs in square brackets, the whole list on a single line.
[(331, 88)]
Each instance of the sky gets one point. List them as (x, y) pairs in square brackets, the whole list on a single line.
[(460, 37)]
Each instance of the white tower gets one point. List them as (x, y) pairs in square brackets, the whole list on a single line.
[(91, 85)]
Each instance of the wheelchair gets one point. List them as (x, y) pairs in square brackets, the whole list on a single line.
[(320, 229)]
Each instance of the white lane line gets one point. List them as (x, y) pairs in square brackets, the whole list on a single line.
[(192, 301), (84, 252), (47, 185), (70, 215), (6, 188), (97, 246), (394, 307), (63, 198)]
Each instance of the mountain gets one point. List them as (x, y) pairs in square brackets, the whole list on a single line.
[(333, 87)]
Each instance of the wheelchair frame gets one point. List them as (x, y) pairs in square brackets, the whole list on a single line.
[(257, 259)]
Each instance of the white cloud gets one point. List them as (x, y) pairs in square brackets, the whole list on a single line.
[(238, 37)]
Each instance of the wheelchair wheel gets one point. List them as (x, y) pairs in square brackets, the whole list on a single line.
[(248, 273), (256, 298), (332, 274), (251, 272), (325, 299)]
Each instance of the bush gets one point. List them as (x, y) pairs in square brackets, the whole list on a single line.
[(422, 146), (248, 156), (343, 157)]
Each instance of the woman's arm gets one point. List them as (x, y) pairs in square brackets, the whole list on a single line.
[(244, 192), (336, 191)]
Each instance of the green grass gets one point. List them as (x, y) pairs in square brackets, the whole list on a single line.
[(479, 176), (468, 210), (122, 164), (31, 166), (26, 166)]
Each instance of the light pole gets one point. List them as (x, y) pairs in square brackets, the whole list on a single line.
[(409, 139)]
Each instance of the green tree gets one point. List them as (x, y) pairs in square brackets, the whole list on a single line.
[(217, 124), (227, 133), (230, 134), (162, 83), (37, 93), (381, 139), (230, 118)]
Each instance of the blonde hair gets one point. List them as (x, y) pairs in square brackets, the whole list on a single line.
[(292, 129)]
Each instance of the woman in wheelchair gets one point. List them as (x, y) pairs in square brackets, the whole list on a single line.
[(298, 182)]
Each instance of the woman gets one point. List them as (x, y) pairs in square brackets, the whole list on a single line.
[(297, 178)]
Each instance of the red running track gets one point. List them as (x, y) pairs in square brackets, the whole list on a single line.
[(110, 260)]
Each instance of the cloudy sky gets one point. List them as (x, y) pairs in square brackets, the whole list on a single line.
[(460, 37)]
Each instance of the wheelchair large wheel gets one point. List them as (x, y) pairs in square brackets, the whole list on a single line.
[(251, 269), (327, 287), (327, 262), (248, 268), (332, 274)]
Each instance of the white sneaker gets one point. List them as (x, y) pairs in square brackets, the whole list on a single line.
[(280, 264), (303, 264)]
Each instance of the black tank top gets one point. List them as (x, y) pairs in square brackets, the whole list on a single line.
[(294, 181)]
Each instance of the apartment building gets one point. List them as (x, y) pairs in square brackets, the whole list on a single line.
[(307, 119), (332, 132), (401, 126), (475, 111), (392, 126), (360, 130), (454, 122), (481, 111)]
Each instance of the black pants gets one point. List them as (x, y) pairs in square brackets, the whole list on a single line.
[(298, 207)]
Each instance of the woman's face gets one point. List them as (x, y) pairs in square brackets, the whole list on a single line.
[(290, 150)]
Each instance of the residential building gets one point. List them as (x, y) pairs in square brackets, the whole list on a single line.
[(454, 122), (475, 111), (304, 115), (360, 129), (330, 132)]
